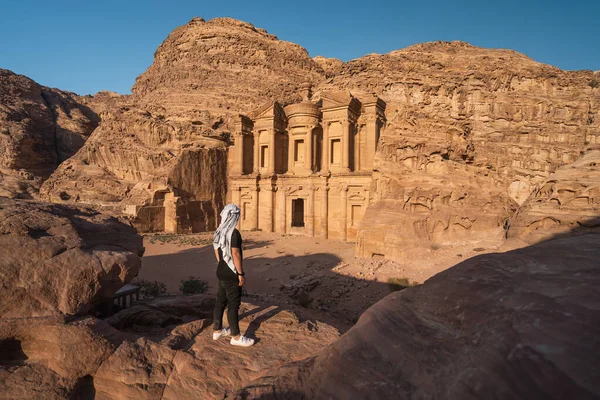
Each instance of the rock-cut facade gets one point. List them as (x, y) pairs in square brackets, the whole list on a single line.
[(306, 168)]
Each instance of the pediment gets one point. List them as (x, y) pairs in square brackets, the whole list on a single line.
[(337, 99), (270, 110), (333, 99)]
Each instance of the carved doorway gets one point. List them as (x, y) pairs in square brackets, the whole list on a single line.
[(298, 213)]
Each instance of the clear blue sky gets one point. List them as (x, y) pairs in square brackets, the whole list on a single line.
[(86, 46)]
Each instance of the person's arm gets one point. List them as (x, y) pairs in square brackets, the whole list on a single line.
[(217, 254), (237, 261)]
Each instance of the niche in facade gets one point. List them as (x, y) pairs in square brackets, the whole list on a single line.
[(298, 213)]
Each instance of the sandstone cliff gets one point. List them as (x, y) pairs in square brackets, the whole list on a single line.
[(40, 127), (517, 325), (136, 159), (470, 134)]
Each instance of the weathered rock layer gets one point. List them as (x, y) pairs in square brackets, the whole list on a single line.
[(57, 260), (470, 134)]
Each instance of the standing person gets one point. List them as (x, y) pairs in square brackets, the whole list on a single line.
[(227, 243)]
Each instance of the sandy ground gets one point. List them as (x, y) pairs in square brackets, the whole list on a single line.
[(317, 278)]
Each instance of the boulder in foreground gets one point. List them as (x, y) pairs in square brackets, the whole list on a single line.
[(517, 325), (58, 260)]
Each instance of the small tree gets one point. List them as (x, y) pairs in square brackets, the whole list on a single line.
[(150, 289), (594, 83)]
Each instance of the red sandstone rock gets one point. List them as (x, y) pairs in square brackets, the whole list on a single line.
[(517, 325), (57, 260), (567, 199), (39, 128)]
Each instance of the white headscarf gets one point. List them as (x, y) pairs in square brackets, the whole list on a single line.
[(222, 238)]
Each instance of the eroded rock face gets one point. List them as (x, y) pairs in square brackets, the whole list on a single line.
[(470, 134), (521, 324), (57, 260), (40, 127), (141, 164), (568, 199)]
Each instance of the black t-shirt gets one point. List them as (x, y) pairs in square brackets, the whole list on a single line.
[(225, 273)]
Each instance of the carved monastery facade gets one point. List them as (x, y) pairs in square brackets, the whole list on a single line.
[(306, 168)]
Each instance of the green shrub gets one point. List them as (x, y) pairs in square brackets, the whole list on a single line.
[(193, 286), (149, 289), (304, 300), (396, 284)]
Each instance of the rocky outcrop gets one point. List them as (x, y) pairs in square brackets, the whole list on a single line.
[(40, 127), (149, 357), (58, 260), (568, 199), (521, 324), (46, 358), (470, 134)]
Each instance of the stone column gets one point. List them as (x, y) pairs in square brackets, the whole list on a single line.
[(311, 211), (235, 196), (371, 132), (271, 169), (290, 153), (324, 210), (346, 146), (325, 150), (257, 153), (281, 204), (357, 149), (268, 194), (344, 206), (171, 221), (238, 168), (308, 149), (254, 224)]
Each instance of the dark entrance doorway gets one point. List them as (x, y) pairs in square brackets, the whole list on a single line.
[(298, 213)]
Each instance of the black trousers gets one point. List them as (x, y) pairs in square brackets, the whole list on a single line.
[(230, 296)]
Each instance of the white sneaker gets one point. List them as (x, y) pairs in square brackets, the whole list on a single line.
[(219, 335), (243, 341)]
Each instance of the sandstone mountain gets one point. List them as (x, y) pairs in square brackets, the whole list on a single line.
[(224, 66), (40, 127), (517, 325), (471, 132)]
